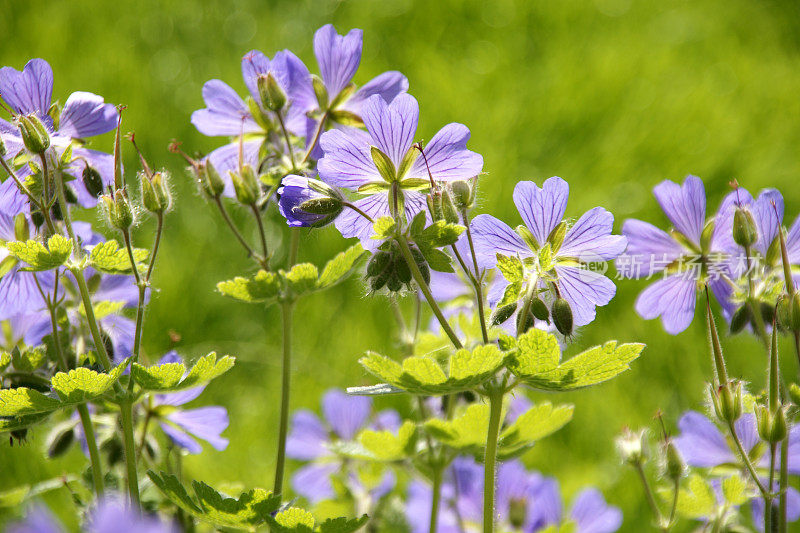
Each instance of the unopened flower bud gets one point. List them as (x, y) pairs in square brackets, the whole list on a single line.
[(789, 312), (156, 197), (631, 446), (92, 180), (118, 209), (503, 313), (246, 186), (562, 316), (22, 230), (60, 442), (675, 466), (539, 310), (463, 196), (270, 92), (744, 228), (34, 134), (740, 319), (449, 212), (434, 200), (209, 179), (771, 426), (727, 400)]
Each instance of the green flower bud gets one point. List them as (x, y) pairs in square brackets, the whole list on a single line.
[(727, 400), (789, 312), (539, 310), (463, 195), (562, 316), (209, 179), (675, 466), (92, 180), (156, 197), (378, 263), (60, 442), (434, 201), (246, 185), (503, 313), (449, 209), (744, 228), (22, 231), (34, 134), (270, 92), (123, 217), (740, 319), (517, 513), (320, 91)]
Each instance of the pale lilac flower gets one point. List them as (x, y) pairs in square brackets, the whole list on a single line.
[(38, 519), (587, 241), (310, 439), (84, 115), (185, 426), (348, 162), (692, 255), (295, 190), (114, 515)]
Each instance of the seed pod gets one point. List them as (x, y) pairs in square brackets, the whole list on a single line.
[(123, 211), (503, 313), (740, 319), (539, 310), (401, 270), (675, 463), (727, 400), (60, 443), (246, 186), (462, 194), (449, 209), (394, 284), (92, 180), (378, 263), (210, 181), (562, 316), (34, 134), (378, 282), (744, 228), (434, 201)]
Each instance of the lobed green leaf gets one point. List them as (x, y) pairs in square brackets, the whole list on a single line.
[(262, 287), (39, 257), (109, 258), (170, 377)]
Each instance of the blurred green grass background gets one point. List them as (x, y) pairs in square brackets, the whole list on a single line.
[(612, 95)]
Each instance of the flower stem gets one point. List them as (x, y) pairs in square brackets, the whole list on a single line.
[(236, 233), (490, 458), (436, 497), (288, 140), (747, 463), (784, 484), (476, 281), (423, 286), (126, 417), (648, 492), (317, 135), (261, 232)]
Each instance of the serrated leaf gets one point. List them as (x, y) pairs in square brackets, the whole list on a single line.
[(463, 432), (262, 287), (383, 228), (387, 446), (535, 362), (734, 489), (437, 259), (24, 401), (467, 370), (5, 360), (109, 258), (440, 233), (302, 277), (81, 385), (13, 423), (39, 257), (511, 294), (417, 225), (343, 525), (338, 268), (511, 268), (30, 359), (170, 377), (250, 510), (294, 517), (535, 424)]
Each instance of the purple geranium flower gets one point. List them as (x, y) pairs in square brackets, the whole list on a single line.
[(310, 439), (348, 162), (703, 445), (38, 519), (692, 255), (83, 115), (588, 241), (296, 190), (112, 515), (185, 426), (525, 502)]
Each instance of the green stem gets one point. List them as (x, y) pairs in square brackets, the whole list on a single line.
[(674, 507), (436, 498), (236, 233), (126, 417), (88, 310), (317, 135), (94, 453), (475, 281), (784, 484), (426, 291), (27, 193), (648, 492), (490, 458), (287, 139), (262, 234), (747, 463), (768, 499)]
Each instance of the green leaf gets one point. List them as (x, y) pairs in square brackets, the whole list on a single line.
[(302, 277), (250, 510), (25, 401), (535, 361), (417, 225), (263, 287), (34, 253), (535, 424), (437, 259), (30, 359), (13, 423), (511, 294), (343, 525), (511, 268), (467, 431), (696, 500), (440, 233), (467, 370), (109, 258), (173, 376), (734, 489), (81, 385), (338, 268), (383, 228), (293, 517), (386, 446), (5, 360)]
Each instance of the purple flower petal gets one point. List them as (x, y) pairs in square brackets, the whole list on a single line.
[(673, 299), (87, 115), (38, 519), (387, 85), (768, 214), (120, 331), (29, 91), (352, 224), (295, 190), (181, 397), (19, 294), (101, 161), (392, 126), (701, 443), (544, 503), (793, 242), (447, 156), (387, 420), (313, 481), (205, 423), (347, 161), (584, 289), (117, 288), (300, 92), (649, 250), (685, 205), (181, 438), (225, 112), (593, 515), (513, 483), (541, 209), (12, 200), (113, 515), (338, 57), (590, 238), (492, 236), (307, 437), (346, 414)]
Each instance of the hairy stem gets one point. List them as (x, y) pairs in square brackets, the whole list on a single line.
[(436, 497), (262, 234), (236, 233), (126, 417), (747, 463), (490, 458), (317, 135), (648, 492), (476, 281)]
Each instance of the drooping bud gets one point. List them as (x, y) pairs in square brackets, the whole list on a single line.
[(744, 228), (539, 310), (60, 442), (740, 319), (246, 186), (562, 316), (502, 314), (675, 465), (271, 93), (463, 194), (34, 134), (632, 447), (22, 230), (92, 180), (525, 321)]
